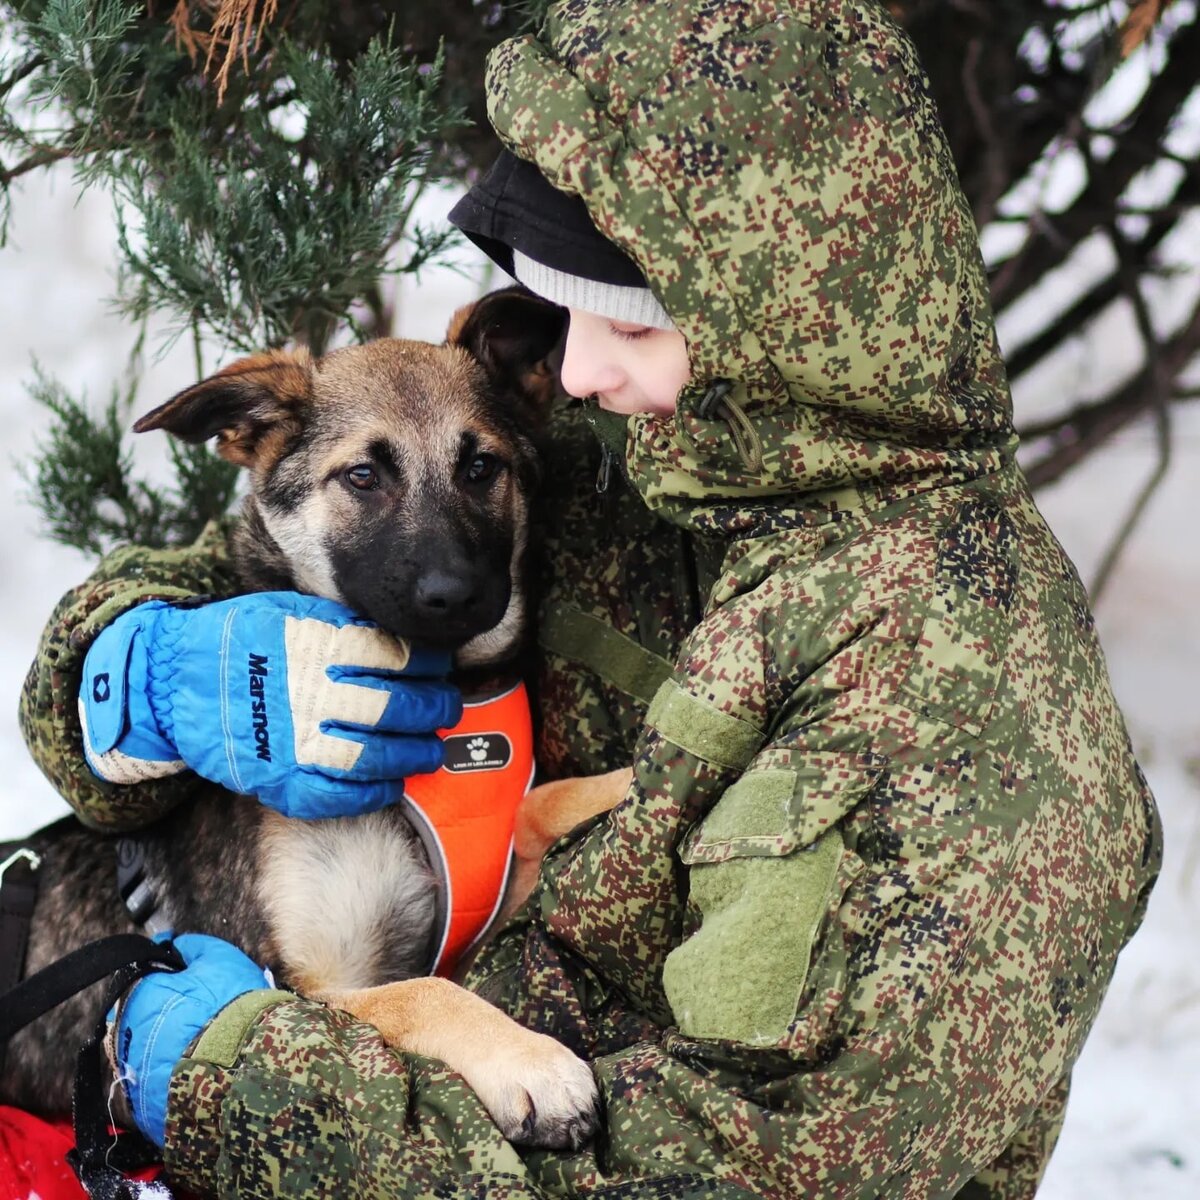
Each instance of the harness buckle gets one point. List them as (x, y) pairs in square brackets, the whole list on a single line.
[(140, 899)]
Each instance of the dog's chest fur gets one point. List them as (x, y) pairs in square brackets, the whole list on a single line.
[(343, 903), (351, 900)]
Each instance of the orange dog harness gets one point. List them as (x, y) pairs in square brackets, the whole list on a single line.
[(464, 814)]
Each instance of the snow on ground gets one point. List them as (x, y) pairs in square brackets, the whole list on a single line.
[(1133, 1127)]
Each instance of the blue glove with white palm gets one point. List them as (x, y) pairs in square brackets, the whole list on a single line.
[(163, 1013), (291, 698)]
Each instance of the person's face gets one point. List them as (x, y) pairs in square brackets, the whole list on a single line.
[(629, 368)]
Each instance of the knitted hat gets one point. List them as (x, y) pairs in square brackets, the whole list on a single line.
[(546, 239)]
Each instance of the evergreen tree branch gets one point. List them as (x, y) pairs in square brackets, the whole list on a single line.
[(33, 63), (43, 156), (83, 486), (81, 483), (277, 236)]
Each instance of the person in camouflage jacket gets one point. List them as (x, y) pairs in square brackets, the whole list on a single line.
[(885, 837)]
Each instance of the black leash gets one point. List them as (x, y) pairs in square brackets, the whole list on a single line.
[(98, 1158)]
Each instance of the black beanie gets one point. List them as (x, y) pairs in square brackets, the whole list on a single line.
[(546, 238)]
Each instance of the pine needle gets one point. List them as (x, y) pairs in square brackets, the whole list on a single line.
[(187, 38), (235, 30), (238, 25)]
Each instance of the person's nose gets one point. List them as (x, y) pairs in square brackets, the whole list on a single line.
[(586, 369)]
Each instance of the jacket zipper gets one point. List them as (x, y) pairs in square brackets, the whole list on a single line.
[(694, 608)]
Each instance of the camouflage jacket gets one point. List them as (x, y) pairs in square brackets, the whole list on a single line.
[(886, 836)]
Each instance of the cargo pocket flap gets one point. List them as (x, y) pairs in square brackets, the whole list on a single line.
[(787, 803), (740, 976)]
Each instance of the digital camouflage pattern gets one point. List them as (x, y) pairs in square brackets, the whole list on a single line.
[(49, 709), (848, 930)]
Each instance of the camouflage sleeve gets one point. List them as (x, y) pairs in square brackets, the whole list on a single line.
[(844, 936), (283, 1097), (49, 710)]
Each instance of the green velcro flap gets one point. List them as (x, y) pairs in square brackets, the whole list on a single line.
[(740, 976), (221, 1042), (615, 658), (786, 800), (754, 816), (696, 726)]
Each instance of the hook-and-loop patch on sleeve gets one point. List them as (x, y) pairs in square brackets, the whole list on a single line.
[(767, 867)]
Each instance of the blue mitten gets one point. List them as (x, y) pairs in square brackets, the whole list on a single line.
[(164, 1013), (291, 698)]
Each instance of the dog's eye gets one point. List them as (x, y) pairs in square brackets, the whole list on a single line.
[(482, 467), (363, 478)]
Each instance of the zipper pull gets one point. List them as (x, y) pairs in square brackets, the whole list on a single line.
[(604, 475)]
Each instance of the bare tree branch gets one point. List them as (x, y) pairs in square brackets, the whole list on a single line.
[(1158, 385), (1056, 234), (1075, 436)]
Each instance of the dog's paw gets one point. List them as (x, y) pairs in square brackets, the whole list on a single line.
[(535, 1089), (537, 1092)]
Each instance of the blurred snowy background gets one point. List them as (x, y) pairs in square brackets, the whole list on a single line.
[(1133, 1127)]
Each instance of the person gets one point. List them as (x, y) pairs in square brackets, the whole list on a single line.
[(885, 836)]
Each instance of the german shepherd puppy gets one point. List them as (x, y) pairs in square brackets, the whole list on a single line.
[(443, 440)]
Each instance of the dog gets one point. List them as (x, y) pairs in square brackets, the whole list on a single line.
[(459, 423)]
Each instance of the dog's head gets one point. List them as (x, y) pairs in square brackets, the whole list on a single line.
[(394, 476)]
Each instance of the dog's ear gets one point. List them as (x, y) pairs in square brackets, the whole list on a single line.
[(239, 405), (516, 336)]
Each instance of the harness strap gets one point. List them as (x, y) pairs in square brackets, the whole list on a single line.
[(80, 969), (568, 631)]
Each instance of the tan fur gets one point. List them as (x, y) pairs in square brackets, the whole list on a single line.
[(307, 867), (269, 451), (526, 1081), (458, 321), (548, 813)]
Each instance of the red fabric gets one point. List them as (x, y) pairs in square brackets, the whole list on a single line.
[(33, 1159)]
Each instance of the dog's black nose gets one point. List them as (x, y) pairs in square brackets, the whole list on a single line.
[(446, 594)]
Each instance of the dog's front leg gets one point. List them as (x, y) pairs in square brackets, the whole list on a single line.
[(535, 1089), (548, 812)]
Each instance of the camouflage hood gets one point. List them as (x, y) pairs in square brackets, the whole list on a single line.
[(787, 199)]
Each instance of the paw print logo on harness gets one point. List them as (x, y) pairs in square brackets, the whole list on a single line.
[(477, 752)]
